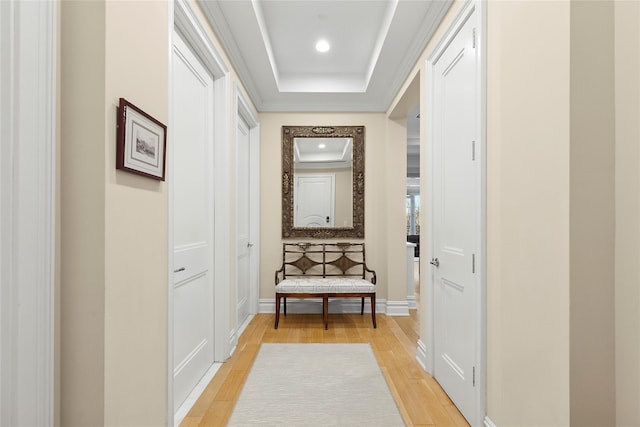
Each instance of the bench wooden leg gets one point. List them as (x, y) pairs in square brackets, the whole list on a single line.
[(285, 306), (325, 311), (373, 310), (277, 311), (362, 306)]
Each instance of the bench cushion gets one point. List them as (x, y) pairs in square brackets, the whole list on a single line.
[(325, 284)]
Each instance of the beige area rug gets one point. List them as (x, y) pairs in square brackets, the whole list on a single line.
[(315, 385)]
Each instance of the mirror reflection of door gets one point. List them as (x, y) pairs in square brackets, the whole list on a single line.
[(315, 159), (314, 196)]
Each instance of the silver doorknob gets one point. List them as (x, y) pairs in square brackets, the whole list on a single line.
[(249, 245), (434, 261)]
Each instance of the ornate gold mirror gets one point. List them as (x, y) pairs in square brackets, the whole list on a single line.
[(323, 181)]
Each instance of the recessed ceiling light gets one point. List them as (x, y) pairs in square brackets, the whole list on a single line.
[(322, 46), (321, 145)]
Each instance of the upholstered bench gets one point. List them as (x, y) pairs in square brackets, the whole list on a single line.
[(324, 270)]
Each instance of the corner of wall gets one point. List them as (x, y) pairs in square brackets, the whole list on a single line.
[(627, 213), (592, 217)]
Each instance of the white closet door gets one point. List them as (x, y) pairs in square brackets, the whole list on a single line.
[(192, 136), (455, 212)]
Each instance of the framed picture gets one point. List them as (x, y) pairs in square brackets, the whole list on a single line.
[(142, 142)]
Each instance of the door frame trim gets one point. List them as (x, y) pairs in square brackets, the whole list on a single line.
[(28, 204), (182, 19), (426, 354), (244, 110)]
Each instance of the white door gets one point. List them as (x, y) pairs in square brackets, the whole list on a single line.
[(192, 136), (313, 196), (243, 193), (455, 224)]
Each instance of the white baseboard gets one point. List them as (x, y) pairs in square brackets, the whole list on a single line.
[(195, 394), (421, 355), (243, 327), (411, 300), (397, 308), (336, 305), (233, 339), (235, 335), (488, 422), (233, 342), (314, 305)]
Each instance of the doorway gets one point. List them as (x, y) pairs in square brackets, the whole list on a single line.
[(413, 208), (247, 213)]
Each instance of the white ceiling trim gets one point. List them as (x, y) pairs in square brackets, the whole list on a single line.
[(220, 27), (257, 9), (437, 9), (305, 107), (391, 10)]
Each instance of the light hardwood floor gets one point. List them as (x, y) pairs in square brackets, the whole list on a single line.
[(421, 400)]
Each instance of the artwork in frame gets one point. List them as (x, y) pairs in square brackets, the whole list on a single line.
[(142, 142)]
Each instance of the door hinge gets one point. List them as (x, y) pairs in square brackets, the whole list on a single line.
[(473, 263), (473, 150), (474, 376), (474, 38)]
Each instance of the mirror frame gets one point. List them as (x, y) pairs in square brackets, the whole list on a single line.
[(288, 135)]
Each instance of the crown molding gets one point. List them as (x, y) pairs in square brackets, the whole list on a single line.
[(436, 12), (213, 12), (317, 107)]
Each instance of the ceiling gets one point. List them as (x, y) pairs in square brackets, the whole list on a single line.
[(313, 153), (374, 46)]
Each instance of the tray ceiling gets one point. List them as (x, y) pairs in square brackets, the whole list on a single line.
[(373, 46)]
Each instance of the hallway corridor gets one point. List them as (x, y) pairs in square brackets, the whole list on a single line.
[(420, 399)]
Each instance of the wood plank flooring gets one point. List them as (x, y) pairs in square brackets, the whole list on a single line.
[(421, 400)]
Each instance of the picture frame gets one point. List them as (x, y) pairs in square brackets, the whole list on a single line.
[(141, 142)]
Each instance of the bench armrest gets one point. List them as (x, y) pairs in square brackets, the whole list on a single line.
[(373, 274), (279, 271)]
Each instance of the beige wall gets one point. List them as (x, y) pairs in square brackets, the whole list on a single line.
[(57, 310), (395, 190), (592, 214), (344, 198), (627, 204), (82, 166), (271, 196), (114, 224), (136, 223), (528, 192)]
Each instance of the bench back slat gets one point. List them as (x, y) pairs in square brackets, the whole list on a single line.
[(323, 260)]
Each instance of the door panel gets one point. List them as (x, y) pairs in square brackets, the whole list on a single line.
[(313, 198), (455, 212), (243, 291), (192, 136)]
